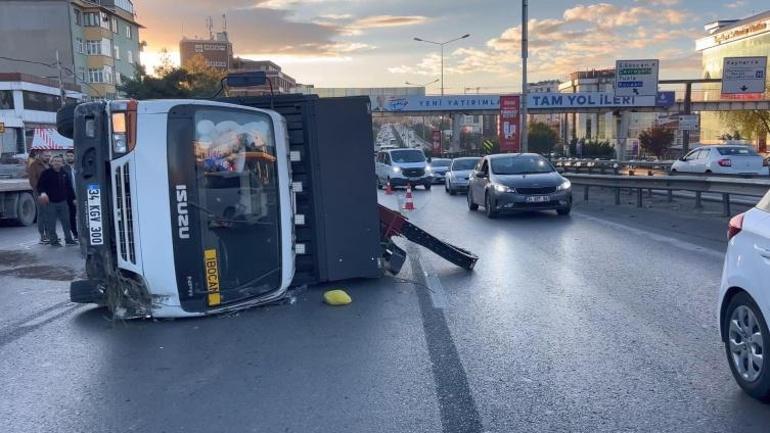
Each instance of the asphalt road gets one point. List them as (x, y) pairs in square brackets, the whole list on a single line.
[(599, 322)]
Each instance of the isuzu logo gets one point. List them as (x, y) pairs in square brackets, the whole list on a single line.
[(183, 215)]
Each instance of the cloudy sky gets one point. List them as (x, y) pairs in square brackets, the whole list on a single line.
[(368, 43)]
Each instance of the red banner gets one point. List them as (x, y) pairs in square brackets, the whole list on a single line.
[(510, 123), (436, 139)]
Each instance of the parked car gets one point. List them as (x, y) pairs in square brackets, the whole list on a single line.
[(456, 179), (401, 167), (438, 169), (517, 182), (722, 159), (744, 299)]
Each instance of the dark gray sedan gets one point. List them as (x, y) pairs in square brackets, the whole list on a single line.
[(513, 182)]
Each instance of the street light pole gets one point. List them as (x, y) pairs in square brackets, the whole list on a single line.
[(524, 55), (441, 45)]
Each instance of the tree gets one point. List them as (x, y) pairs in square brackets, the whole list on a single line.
[(197, 80), (748, 123), (542, 138), (656, 139)]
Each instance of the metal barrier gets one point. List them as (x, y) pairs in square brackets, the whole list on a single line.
[(612, 166), (696, 184)]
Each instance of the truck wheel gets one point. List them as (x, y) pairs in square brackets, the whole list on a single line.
[(26, 211), (86, 292), (65, 121)]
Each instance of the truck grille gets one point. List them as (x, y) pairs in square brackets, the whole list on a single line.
[(413, 172), (537, 191), (125, 216)]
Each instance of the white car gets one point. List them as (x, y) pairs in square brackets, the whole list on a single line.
[(744, 299), (722, 159)]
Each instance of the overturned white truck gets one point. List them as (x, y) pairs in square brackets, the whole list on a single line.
[(195, 207)]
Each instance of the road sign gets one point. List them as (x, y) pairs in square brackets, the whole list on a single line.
[(688, 122), (636, 77), (741, 75)]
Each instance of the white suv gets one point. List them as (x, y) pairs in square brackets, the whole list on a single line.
[(744, 301)]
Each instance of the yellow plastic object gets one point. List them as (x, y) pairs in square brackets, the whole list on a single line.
[(337, 297)]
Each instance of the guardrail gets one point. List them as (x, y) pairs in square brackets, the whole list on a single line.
[(612, 166), (696, 184)]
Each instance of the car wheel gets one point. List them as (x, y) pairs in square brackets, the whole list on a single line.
[(491, 211), (746, 336), (708, 172), (564, 210), (471, 204), (427, 186), (379, 184)]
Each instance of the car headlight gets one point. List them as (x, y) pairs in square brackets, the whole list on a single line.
[(503, 188), (396, 169), (428, 169), (564, 185)]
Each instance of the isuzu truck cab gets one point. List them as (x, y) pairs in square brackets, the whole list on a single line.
[(211, 228)]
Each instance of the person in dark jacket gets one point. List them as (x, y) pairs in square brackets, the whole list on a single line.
[(69, 167), (55, 187)]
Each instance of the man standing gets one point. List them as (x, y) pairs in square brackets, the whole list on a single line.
[(36, 168), (55, 190), (69, 168)]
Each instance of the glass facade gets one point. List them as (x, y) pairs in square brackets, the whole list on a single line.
[(713, 126)]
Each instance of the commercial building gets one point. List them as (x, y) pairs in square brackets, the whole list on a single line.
[(28, 103), (730, 38), (217, 51), (281, 82), (97, 41)]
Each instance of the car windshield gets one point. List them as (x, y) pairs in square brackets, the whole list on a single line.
[(410, 155), (737, 151), (440, 162), (238, 199), (464, 164), (520, 164)]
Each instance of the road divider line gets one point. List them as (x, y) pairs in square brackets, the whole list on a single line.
[(687, 246)]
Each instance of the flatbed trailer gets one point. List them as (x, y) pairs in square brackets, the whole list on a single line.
[(17, 203)]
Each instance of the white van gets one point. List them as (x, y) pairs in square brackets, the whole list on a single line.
[(401, 167)]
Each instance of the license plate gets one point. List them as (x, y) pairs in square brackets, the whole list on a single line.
[(538, 199), (94, 215)]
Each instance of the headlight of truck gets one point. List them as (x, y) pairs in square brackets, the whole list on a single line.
[(123, 125), (396, 169), (503, 188), (565, 186)]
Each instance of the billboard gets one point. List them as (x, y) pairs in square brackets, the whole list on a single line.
[(510, 122), (436, 141)]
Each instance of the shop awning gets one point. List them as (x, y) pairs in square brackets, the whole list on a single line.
[(49, 139)]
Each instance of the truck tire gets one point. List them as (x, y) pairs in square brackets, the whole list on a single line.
[(65, 120), (26, 210), (86, 292)]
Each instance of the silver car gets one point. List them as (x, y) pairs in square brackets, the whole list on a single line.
[(456, 178), (513, 182)]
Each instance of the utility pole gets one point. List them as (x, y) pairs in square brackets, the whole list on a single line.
[(62, 94), (524, 55)]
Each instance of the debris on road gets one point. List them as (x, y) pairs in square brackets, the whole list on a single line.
[(337, 297)]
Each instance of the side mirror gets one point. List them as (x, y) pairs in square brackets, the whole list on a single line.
[(481, 175)]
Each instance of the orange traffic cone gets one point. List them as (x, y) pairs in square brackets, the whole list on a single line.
[(388, 189), (409, 204)]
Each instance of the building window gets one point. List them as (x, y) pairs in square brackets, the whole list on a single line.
[(128, 31), (130, 57), (91, 19), (105, 20), (108, 74), (6, 100), (117, 52), (40, 101), (93, 48), (95, 75), (80, 46), (106, 47), (82, 74), (78, 16), (114, 25)]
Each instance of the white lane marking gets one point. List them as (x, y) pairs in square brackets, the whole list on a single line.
[(688, 246), (436, 289)]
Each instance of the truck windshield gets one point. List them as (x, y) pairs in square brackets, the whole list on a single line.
[(237, 181), (407, 156)]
